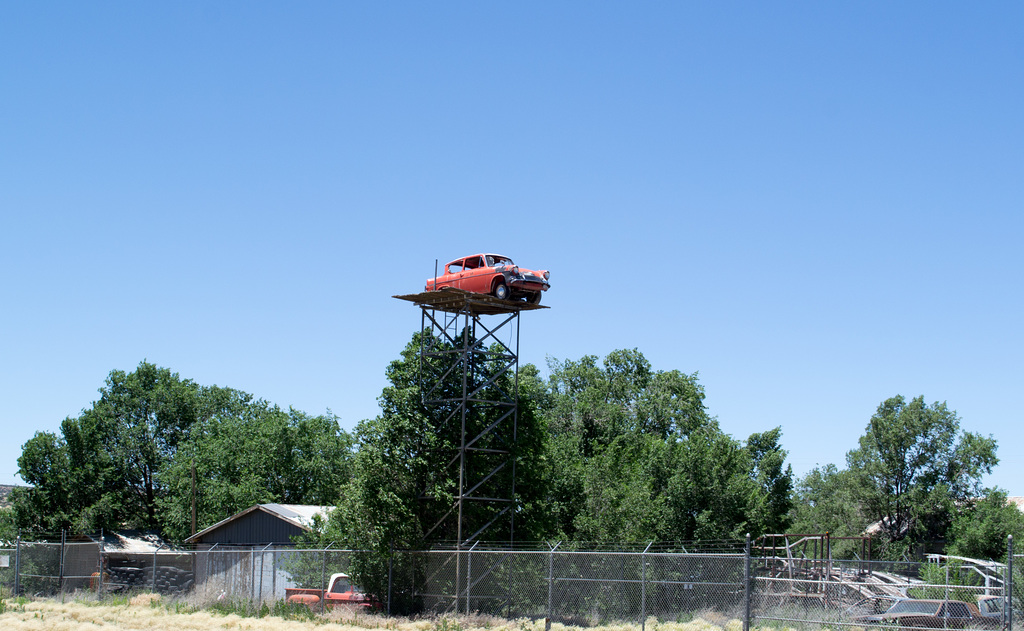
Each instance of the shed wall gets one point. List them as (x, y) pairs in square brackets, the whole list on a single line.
[(255, 528)]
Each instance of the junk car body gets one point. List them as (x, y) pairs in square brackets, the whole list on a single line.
[(492, 274)]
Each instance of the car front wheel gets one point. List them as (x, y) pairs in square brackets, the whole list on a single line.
[(534, 299), (500, 291)]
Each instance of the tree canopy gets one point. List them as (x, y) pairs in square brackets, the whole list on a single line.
[(980, 529), (606, 450), (126, 461), (635, 456), (404, 472), (914, 464)]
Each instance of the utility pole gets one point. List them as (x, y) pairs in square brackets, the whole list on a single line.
[(193, 496)]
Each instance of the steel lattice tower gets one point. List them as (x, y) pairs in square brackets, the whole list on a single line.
[(469, 380)]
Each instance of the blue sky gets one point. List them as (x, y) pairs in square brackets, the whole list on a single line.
[(816, 206)]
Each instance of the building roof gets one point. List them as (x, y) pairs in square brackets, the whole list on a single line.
[(299, 515), (128, 542)]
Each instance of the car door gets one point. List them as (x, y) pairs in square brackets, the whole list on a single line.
[(957, 615), (452, 274), (477, 276)]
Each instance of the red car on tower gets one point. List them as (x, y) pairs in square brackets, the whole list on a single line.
[(492, 274)]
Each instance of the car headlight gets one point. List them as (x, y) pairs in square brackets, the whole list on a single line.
[(515, 270), (547, 275)]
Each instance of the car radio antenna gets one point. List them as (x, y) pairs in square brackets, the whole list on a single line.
[(435, 274)]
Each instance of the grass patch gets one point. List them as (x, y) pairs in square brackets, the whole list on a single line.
[(248, 609), (145, 611)]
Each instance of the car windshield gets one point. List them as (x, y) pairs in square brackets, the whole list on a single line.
[(914, 606), (494, 261), (340, 586)]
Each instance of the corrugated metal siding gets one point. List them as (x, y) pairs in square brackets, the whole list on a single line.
[(257, 527)]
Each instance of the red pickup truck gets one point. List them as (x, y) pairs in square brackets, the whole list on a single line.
[(340, 593)]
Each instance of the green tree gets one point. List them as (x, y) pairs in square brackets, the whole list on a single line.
[(143, 417), (635, 456), (598, 404), (48, 505), (247, 451), (8, 529), (981, 527), (591, 407), (773, 478), (913, 465), (624, 491), (712, 492), (126, 461), (827, 500), (101, 472), (405, 470)]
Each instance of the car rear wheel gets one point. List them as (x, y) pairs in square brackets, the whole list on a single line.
[(500, 291)]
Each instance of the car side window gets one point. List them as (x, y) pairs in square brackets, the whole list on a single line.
[(455, 268), (955, 610), (473, 263)]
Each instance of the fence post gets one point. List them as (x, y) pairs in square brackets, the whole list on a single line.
[(391, 561), (746, 585), (469, 577), (842, 589), (551, 580), (1008, 601), (323, 579), (209, 559), (828, 570), (99, 583), (643, 587), (947, 589), (252, 574), (17, 566), (263, 568), (60, 565)]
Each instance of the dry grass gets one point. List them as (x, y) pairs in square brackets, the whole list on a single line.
[(146, 612)]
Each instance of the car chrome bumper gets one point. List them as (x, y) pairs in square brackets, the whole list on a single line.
[(529, 284)]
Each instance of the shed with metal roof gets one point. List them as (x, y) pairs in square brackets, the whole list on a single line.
[(262, 524)]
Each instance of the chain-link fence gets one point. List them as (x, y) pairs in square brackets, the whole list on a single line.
[(581, 587), (8, 562), (562, 583), (943, 592)]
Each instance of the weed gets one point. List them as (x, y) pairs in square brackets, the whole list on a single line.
[(247, 609), (15, 604), (447, 624), (115, 600)]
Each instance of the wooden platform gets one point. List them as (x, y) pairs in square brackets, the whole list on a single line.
[(460, 301)]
